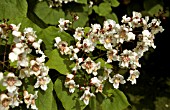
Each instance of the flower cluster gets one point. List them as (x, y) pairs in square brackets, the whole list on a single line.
[(25, 60), (112, 38)]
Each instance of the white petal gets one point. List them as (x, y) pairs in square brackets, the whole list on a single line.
[(11, 88)]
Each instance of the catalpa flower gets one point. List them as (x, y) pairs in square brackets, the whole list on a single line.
[(89, 65), (79, 33), (116, 80), (133, 75), (42, 82), (109, 24), (29, 100), (11, 82), (71, 85), (86, 96), (15, 101), (5, 102), (63, 24)]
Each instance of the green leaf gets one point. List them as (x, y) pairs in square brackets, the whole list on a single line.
[(49, 34), (148, 4), (81, 11), (13, 8), (81, 1), (112, 16), (45, 99), (103, 9), (116, 100), (58, 63), (155, 10), (25, 22), (47, 14), (54, 104), (81, 22), (114, 3), (68, 100), (103, 63)]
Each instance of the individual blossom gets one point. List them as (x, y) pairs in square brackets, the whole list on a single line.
[(109, 24), (133, 75), (15, 30), (89, 65), (79, 33), (116, 80), (11, 82), (13, 56), (63, 24), (125, 58), (29, 100), (71, 85), (134, 60), (97, 81), (15, 101), (24, 72), (112, 55), (141, 48), (136, 20), (5, 102), (97, 67), (86, 96), (30, 35), (62, 46), (107, 40), (106, 73), (35, 67), (88, 45), (155, 26), (37, 45), (42, 82), (77, 65), (125, 19), (95, 28)]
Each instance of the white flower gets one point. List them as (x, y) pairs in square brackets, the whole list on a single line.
[(95, 81), (146, 33), (109, 24), (35, 67), (57, 40), (5, 102), (71, 85), (42, 82), (79, 33), (63, 24), (95, 28), (15, 101), (106, 73), (11, 81), (24, 73), (125, 19), (125, 58), (89, 65), (133, 75), (112, 55), (86, 96), (29, 100), (14, 27), (116, 80), (88, 45)]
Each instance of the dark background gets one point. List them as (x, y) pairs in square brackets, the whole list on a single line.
[(152, 91)]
